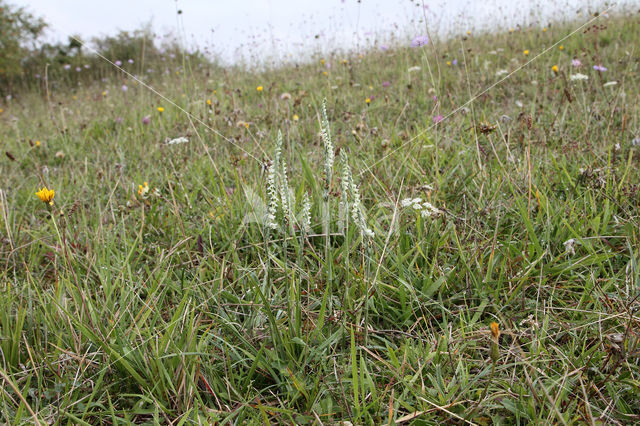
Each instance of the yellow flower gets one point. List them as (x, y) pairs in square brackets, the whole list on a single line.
[(495, 330), (143, 189), (322, 61), (511, 30), (75, 97), (344, 61), (554, 68), (561, 47), (160, 109), (104, 93), (448, 63), (468, 32), (37, 143), (325, 73), (259, 88), (526, 52), (46, 195), (368, 100), (295, 117), (208, 101), (1, 110), (544, 30)]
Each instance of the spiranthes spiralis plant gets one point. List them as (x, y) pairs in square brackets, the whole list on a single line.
[(328, 174)]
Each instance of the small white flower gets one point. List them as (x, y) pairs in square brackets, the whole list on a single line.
[(610, 83), (413, 69), (501, 73), (578, 77), (519, 104), (569, 246), (177, 141)]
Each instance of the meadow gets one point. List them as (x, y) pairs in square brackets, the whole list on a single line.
[(438, 233)]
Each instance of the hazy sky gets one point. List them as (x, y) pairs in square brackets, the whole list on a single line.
[(278, 28)]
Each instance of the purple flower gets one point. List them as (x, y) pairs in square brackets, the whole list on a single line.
[(146, 119), (576, 63), (435, 98), (454, 62), (86, 66), (419, 41), (67, 66), (599, 68), (118, 120), (384, 47), (124, 88), (37, 76), (386, 83), (438, 118), (130, 61), (118, 63), (78, 69)]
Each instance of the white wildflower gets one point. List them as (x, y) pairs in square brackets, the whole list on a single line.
[(578, 77), (306, 213), (501, 73), (610, 83), (177, 141), (569, 246), (413, 69), (272, 192)]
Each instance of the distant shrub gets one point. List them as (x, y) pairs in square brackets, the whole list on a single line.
[(19, 30)]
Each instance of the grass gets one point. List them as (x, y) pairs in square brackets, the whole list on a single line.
[(179, 304)]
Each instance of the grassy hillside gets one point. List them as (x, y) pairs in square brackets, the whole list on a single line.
[(232, 278)]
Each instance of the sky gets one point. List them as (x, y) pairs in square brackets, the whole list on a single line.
[(253, 30)]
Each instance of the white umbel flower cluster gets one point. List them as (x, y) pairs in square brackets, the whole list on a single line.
[(578, 77), (425, 208), (177, 141)]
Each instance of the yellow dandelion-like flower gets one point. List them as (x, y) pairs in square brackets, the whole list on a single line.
[(344, 61), (554, 68), (495, 330), (468, 32), (259, 88), (322, 61), (209, 102), (46, 195), (526, 52), (37, 143), (75, 97), (246, 125), (104, 93), (325, 73), (295, 117), (544, 30), (511, 30), (449, 63), (1, 110), (160, 109), (368, 100), (561, 47)]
